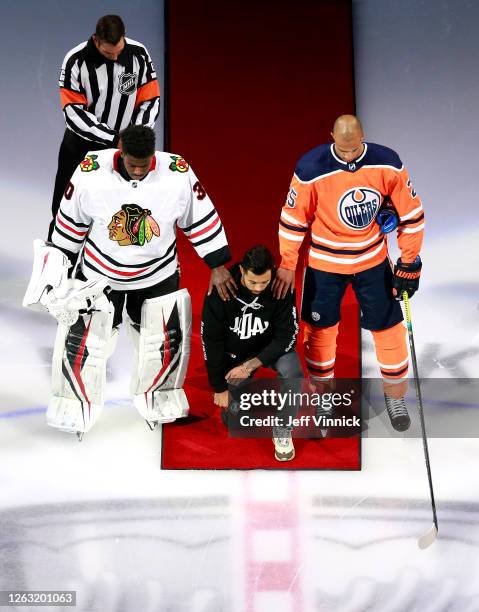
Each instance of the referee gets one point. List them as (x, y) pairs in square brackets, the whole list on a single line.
[(106, 84)]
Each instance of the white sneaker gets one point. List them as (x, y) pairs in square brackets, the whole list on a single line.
[(283, 449)]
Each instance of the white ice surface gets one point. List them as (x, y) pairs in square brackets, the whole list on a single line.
[(102, 518)]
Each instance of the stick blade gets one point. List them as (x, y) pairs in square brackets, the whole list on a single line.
[(428, 538)]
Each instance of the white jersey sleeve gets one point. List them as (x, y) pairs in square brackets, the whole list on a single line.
[(202, 224), (72, 221)]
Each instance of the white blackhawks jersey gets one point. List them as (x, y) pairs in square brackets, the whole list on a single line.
[(126, 230)]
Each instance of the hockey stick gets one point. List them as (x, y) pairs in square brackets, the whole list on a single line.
[(430, 536)]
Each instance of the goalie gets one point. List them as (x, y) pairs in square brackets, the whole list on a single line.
[(116, 227)]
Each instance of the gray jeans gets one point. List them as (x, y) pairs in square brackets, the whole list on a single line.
[(290, 375), (288, 366)]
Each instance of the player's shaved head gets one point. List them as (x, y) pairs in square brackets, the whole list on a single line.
[(348, 127), (348, 137)]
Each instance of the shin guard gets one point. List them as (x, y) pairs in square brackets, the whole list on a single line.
[(320, 350), (162, 347), (393, 359), (79, 370)]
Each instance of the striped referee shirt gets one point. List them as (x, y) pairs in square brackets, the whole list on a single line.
[(100, 97)]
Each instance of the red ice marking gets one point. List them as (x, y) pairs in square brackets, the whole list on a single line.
[(263, 515), (90, 254), (166, 359), (205, 229), (77, 365), (70, 229), (45, 259)]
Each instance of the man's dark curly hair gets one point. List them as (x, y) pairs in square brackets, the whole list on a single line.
[(258, 260), (110, 28), (138, 141)]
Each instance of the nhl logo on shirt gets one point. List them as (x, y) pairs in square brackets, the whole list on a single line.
[(127, 83), (357, 207), (315, 316)]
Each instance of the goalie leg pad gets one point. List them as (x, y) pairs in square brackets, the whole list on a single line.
[(162, 353), (79, 371)]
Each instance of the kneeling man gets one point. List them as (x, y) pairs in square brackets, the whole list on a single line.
[(249, 331)]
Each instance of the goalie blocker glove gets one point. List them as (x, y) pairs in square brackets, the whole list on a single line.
[(406, 277)]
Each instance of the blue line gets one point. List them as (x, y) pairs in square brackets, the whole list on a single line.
[(452, 404), (22, 412), (42, 409), (427, 402)]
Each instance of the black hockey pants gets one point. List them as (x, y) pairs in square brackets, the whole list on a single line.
[(72, 151)]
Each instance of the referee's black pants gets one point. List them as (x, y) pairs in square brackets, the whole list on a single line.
[(72, 151)]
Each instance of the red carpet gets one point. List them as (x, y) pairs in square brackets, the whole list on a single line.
[(250, 87)]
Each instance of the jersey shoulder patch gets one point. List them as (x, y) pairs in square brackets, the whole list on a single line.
[(178, 164), (379, 155), (90, 163), (97, 165), (315, 163)]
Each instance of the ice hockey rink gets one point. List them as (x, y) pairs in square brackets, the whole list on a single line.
[(100, 518)]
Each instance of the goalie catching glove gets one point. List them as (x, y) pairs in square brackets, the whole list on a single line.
[(406, 278)]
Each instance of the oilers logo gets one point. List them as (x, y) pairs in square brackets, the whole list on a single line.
[(357, 207)]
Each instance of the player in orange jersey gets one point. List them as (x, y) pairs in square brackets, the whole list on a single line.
[(349, 194)]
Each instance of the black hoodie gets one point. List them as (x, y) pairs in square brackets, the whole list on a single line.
[(244, 327)]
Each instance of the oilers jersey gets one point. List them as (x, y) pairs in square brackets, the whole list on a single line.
[(126, 230), (338, 201)]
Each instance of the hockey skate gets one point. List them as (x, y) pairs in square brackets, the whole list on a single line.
[(398, 414), (283, 444)]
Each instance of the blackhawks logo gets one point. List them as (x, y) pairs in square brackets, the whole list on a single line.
[(179, 164), (89, 163), (132, 225)]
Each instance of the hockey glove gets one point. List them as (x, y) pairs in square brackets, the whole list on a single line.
[(81, 297), (387, 219), (406, 277)]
